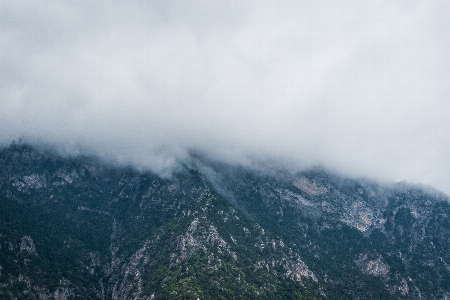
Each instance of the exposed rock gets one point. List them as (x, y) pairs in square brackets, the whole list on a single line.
[(33, 181), (309, 186), (372, 267), (27, 245)]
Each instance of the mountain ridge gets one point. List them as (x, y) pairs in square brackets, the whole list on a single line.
[(77, 227)]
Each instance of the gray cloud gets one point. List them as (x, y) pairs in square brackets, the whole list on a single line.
[(361, 86)]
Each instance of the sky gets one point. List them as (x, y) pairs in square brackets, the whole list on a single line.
[(360, 86)]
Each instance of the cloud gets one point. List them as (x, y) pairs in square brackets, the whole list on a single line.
[(360, 86)]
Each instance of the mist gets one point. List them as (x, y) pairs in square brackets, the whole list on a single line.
[(362, 87)]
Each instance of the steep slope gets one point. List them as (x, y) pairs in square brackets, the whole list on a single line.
[(362, 239), (79, 228)]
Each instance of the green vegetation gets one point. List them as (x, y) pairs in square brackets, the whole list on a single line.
[(78, 227)]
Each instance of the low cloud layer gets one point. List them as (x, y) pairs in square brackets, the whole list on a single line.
[(360, 86)]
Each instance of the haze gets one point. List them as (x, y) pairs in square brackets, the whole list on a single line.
[(359, 86)]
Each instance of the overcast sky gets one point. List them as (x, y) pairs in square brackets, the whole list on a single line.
[(362, 86)]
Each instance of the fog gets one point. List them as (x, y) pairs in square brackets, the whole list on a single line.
[(362, 87)]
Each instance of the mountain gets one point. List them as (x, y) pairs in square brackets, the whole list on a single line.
[(81, 228)]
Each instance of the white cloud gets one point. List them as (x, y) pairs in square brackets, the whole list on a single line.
[(362, 86)]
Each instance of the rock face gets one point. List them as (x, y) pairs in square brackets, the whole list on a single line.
[(372, 267), (78, 228)]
